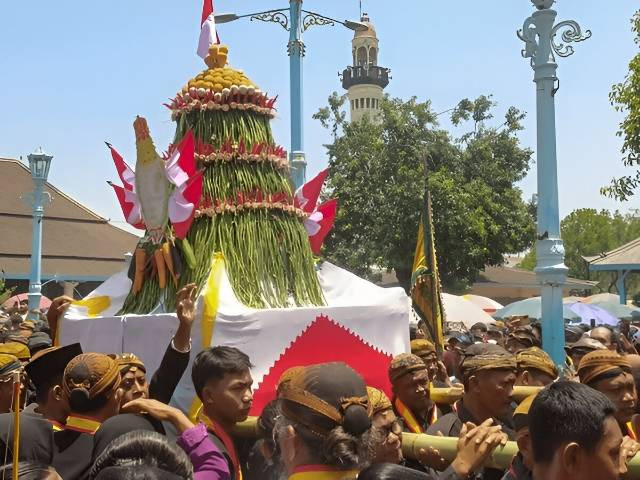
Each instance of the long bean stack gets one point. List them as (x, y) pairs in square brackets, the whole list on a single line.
[(247, 210)]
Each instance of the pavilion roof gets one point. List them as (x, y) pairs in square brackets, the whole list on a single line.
[(625, 257)]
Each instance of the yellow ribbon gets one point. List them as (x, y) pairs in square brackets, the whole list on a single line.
[(94, 305), (211, 300)]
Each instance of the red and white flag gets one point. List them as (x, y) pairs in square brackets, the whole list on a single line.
[(208, 33), (319, 223), (306, 196)]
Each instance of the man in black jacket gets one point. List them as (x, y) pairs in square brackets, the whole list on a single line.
[(488, 374)]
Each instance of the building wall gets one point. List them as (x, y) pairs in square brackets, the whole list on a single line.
[(364, 100)]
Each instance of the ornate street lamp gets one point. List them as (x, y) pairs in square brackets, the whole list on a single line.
[(39, 163), (542, 45), (295, 20)]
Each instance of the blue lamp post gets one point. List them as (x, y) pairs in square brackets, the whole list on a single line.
[(541, 46), (39, 163), (295, 20)]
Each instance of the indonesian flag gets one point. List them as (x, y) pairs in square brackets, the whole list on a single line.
[(319, 223), (208, 34), (306, 196)]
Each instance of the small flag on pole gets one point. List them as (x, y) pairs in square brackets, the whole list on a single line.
[(208, 33), (425, 280)]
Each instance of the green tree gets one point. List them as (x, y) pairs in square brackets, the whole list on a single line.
[(625, 97), (5, 293), (587, 232), (378, 175)]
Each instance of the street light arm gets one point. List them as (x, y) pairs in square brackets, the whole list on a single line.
[(571, 32), (276, 15), (312, 18)]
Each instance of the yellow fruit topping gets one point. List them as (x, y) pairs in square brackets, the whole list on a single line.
[(219, 75)]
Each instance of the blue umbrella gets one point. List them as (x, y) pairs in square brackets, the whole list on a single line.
[(532, 307), (590, 312)]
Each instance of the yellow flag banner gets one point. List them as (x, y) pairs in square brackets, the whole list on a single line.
[(425, 281)]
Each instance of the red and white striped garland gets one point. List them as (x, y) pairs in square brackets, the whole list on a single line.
[(234, 98)]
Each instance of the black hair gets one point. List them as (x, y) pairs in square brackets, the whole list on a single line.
[(42, 390), (479, 326), (27, 471), (259, 466), (80, 402), (136, 473), (567, 412), (140, 450), (413, 332), (215, 362), (391, 471)]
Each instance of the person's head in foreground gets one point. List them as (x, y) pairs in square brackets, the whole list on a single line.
[(409, 379), (605, 336), (523, 435), (391, 471), (479, 331), (386, 432), (535, 368), (325, 416), (30, 471), (610, 373), (488, 374), (426, 350), (37, 342), (142, 455), (579, 349), (454, 351), (495, 335), (574, 434), (222, 380), (91, 386), (521, 338), (45, 369), (134, 377)]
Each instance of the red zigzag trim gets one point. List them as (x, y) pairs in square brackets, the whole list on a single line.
[(325, 340)]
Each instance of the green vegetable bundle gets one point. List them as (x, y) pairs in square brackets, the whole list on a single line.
[(265, 245)]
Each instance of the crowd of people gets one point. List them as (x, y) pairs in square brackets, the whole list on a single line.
[(89, 415)]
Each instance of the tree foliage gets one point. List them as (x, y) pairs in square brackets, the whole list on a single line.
[(587, 232), (625, 97), (378, 176)]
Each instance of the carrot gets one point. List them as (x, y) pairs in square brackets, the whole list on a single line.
[(166, 254), (160, 265), (138, 279)]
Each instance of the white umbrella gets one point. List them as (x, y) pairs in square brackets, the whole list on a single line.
[(485, 303), (603, 297), (459, 310)]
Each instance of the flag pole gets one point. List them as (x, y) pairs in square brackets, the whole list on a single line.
[(16, 424)]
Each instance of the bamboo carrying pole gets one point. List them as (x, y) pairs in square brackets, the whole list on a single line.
[(452, 394), (447, 446), (501, 457)]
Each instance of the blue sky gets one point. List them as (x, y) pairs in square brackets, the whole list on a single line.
[(74, 74)]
